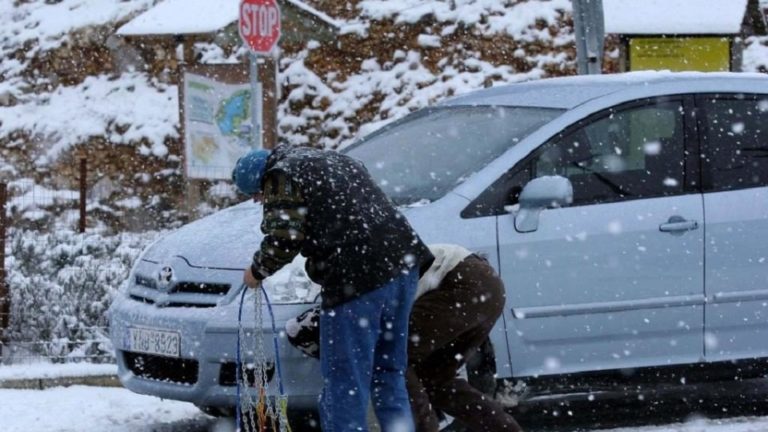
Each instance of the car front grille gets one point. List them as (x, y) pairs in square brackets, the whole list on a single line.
[(188, 305), (201, 288), (159, 368), (150, 301), (145, 281), (178, 294), (142, 299), (228, 374)]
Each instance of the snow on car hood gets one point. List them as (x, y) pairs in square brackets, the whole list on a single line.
[(226, 239)]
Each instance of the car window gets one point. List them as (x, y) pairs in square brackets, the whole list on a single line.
[(629, 154), (427, 154), (736, 142), (625, 153)]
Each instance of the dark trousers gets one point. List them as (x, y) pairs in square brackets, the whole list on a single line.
[(447, 325)]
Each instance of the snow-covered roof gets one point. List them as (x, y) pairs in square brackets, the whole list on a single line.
[(183, 17), (674, 16), (197, 16), (570, 91), (312, 11)]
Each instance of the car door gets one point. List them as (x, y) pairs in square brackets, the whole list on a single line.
[(735, 180), (614, 280)]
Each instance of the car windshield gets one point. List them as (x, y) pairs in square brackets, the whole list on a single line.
[(430, 152)]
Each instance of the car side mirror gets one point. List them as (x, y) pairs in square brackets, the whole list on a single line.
[(539, 194)]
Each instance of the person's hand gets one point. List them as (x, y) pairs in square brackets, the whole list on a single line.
[(249, 280)]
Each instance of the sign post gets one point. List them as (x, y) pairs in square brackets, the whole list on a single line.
[(259, 28), (589, 27)]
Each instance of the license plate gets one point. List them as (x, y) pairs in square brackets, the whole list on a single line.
[(152, 341)]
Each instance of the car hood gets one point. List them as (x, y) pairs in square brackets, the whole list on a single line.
[(225, 239)]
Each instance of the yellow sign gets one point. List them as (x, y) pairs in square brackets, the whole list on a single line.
[(703, 54)]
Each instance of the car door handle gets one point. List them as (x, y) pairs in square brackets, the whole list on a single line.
[(678, 225)]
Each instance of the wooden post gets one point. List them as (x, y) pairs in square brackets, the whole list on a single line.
[(83, 190), (192, 197), (268, 78), (5, 295)]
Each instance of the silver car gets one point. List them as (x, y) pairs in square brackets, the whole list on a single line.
[(627, 215)]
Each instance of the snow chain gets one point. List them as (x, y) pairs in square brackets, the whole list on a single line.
[(257, 412)]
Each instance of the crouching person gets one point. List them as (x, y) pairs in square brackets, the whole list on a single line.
[(458, 301)]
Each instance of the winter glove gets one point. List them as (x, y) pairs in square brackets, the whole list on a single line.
[(304, 332)]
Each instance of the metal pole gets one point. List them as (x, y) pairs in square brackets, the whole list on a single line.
[(5, 295), (589, 30), (83, 190), (256, 102)]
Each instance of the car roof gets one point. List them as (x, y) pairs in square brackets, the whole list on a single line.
[(569, 92)]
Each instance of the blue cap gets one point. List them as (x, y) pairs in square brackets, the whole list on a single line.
[(249, 170)]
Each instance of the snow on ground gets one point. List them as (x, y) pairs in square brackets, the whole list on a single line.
[(405, 81), (49, 24), (48, 370), (101, 105), (492, 15), (81, 408)]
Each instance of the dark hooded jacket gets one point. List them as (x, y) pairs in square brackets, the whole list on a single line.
[(326, 206)]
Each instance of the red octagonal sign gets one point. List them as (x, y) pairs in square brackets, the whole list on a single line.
[(259, 24)]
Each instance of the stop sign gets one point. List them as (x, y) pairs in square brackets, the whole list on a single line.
[(259, 24)]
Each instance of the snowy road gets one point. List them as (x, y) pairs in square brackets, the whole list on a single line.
[(80, 408)]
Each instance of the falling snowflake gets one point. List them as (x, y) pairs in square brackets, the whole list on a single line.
[(552, 364), (614, 227), (652, 148), (710, 341)]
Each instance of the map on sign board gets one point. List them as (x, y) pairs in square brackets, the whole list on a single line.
[(214, 112)]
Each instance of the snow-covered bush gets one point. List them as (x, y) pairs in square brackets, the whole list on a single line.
[(61, 285), (755, 57)]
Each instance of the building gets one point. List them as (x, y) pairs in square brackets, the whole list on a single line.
[(682, 35)]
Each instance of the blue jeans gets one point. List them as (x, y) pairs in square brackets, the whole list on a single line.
[(363, 355)]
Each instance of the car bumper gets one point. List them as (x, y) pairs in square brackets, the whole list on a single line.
[(204, 371)]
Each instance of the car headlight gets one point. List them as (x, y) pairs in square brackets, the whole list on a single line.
[(291, 285)]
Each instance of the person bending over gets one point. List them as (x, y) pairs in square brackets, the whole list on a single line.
[(367, 259)]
